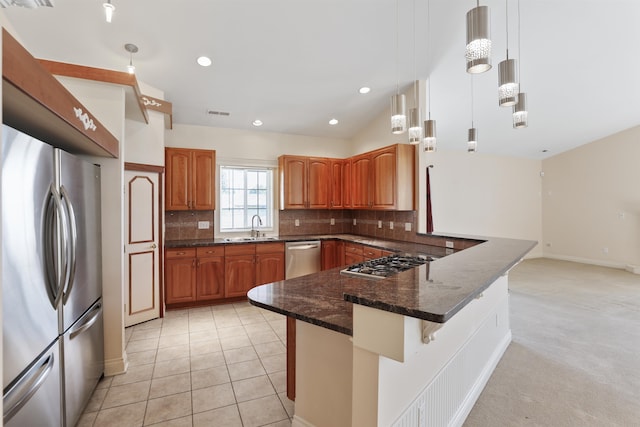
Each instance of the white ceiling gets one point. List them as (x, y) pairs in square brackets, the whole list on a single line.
[(295, 64)]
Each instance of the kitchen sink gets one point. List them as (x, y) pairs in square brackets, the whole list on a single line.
[(249, 239)]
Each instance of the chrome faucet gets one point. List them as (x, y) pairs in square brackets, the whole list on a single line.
[(254, 231)]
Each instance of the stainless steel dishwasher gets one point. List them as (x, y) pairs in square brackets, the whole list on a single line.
[(302, 258)]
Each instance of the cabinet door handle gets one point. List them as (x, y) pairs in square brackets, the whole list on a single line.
[(193, 264), (198, 263), (153, 246), (180, 253)]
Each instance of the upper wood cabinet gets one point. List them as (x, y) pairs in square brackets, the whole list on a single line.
[(336, 200), (190, 179), (384, 179), (304, 182)]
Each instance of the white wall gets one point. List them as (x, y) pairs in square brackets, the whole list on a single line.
[(476, 194), (591, 201), (145, 142), (106, 103), (254, 145)]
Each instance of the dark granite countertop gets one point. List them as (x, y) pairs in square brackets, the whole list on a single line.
[(435, 291), (391, 245)]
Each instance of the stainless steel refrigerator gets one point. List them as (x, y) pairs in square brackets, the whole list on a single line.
[(53, 353)]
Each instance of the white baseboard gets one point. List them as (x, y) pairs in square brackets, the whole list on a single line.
[(118, 365), (589, 261), (299, 422), (635, 269)]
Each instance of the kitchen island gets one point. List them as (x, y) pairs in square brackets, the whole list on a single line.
[(415, 348)]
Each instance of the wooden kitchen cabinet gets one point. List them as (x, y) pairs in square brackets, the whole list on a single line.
[(180, 275), (239, 269), (337, 184), (329, 254), (347, 188), (190, 179), (304, 182), (249, 265), (384, 179), (353, 253), (269, 263), (194, 274), (210, 273)]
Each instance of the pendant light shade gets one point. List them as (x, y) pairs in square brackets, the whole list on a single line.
[(398, 113), (472, 143), (415, 129), (108, 10), (131, 48), (429, 136), (507, 84), (520, 114), (478, 53)]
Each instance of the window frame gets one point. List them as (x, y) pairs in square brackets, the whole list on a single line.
[(271, 195)]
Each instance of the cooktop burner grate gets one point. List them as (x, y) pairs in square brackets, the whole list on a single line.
[(380, 268)]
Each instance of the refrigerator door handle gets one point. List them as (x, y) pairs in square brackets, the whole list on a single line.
[(73, 234), (88, 323), (54, 216), (23, 390)]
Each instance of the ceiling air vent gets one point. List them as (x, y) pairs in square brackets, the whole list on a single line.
[(218, 113)]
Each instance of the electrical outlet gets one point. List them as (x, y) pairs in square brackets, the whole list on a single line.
[(333, 221), (203, 225), (379, 224), (354, 221), (605, 250), (621, 215), (296, 223), (390, 225), (448, 244), (407, 226)]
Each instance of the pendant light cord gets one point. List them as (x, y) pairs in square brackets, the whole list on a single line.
[(471, 100), (397, 54), (415, 75), (429, 54), (506, 14), (519, 49)]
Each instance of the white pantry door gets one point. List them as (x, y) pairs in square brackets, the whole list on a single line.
[(142, 266)]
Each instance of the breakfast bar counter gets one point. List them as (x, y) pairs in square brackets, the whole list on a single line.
[(414, 348)]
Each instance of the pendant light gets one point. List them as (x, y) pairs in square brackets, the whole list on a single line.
[(520, 113), (472, 140), (429, 125), (415, 127), (507, 84), (398, 102), (131, 48), (108, 10), (478, 52)]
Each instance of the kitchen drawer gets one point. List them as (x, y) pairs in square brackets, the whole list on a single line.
[(269, 248), (353, 248), (371, 253), (180, 253), (208, 251), (240, 249)]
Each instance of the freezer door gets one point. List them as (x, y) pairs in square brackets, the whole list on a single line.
[(33, 399), (83, 347), (80, 192), (30, 321)]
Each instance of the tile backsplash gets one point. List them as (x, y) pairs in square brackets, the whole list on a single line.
[(183, 225)]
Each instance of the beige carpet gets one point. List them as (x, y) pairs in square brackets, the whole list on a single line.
[(575, 355)]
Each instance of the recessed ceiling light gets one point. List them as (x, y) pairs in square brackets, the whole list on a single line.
[(545, 150), (204, 61), (364, 90), (257, 122), (333, 122)]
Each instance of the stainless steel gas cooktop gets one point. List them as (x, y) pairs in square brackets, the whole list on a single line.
[(380, 268)]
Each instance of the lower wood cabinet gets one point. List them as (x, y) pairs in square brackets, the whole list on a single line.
[(180, 275), (329, 254), (250, 265), (194, 274)]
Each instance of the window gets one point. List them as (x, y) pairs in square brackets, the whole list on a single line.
[(245, 192)]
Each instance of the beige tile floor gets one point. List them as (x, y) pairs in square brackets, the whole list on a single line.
[(210, 366)]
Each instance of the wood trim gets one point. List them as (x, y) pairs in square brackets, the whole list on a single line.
[(160, 105), (98, 75), (153, 232), (291, 358), (35, 102), (140, 167)]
